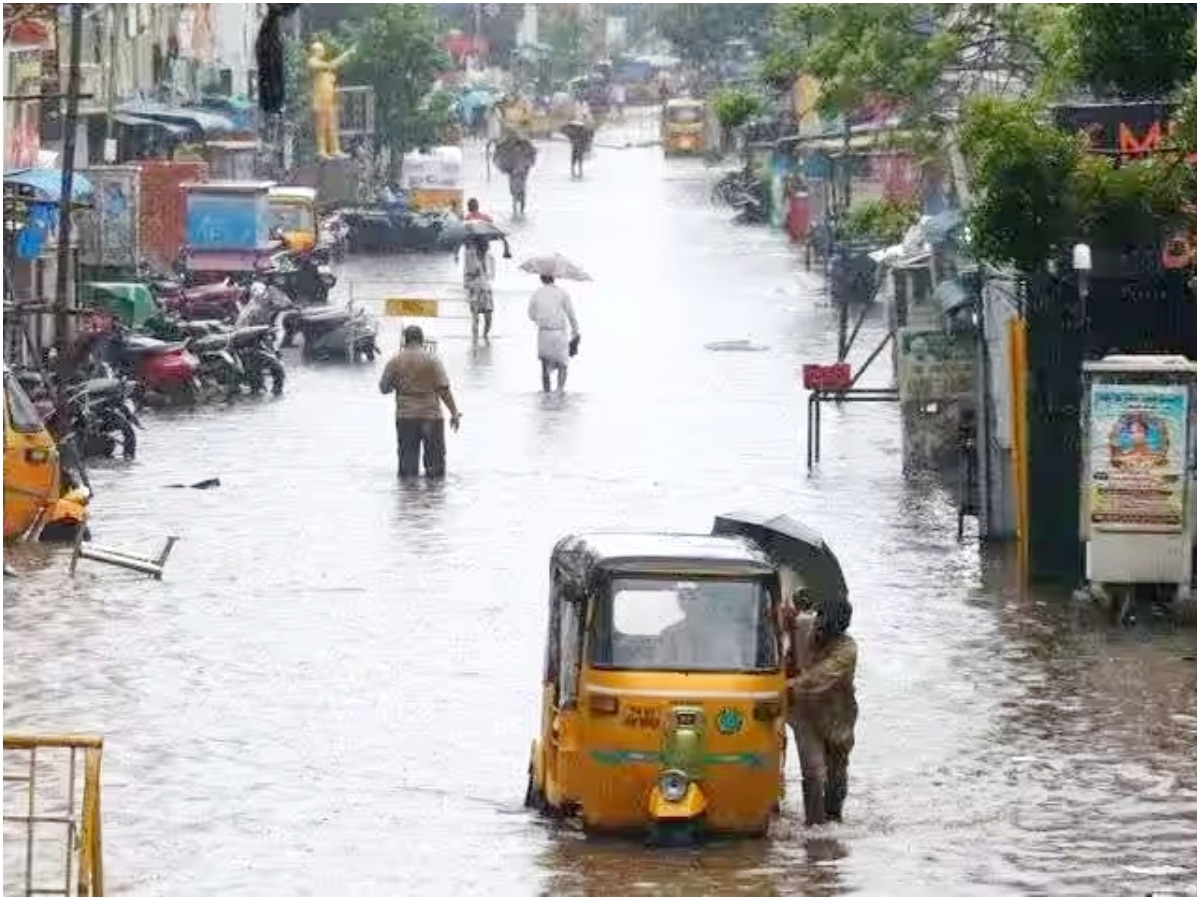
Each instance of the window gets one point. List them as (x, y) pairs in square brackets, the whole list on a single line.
[(22, 414), (291, 218), (707, 625), (685, 115)]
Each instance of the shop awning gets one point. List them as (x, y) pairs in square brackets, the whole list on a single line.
[(209, 123), (140, 122), (46, 184)]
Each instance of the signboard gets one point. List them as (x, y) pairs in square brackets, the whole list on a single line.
[(109, 229), (410, 307), (233, 221), (934, 365), (1137, 455)]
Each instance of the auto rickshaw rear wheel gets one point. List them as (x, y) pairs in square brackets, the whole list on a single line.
[(534, 798)]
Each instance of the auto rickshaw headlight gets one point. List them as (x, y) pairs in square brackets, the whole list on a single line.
[(673, 784)]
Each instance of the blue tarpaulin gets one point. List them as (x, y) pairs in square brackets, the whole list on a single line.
[(46, 184)]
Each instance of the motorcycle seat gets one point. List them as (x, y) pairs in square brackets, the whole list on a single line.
[(209, 291), (324, 314), (202, 327), (102, 386), (210, 343), (139, 344), (251, 332)]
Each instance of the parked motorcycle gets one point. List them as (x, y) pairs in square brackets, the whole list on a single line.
[(333, 332), (101, 413), (220, 370), (163, 372), (751, 208), (103, 417), (218, 300)]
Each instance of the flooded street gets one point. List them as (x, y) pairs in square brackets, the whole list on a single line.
[(334, 689)]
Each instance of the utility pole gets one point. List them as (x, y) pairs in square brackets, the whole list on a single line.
[(111, 79), (61, 307)]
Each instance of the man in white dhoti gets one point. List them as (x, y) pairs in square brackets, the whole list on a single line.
[(551, 310)]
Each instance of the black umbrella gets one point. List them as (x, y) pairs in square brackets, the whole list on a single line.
[(797, 546), (458, 233)]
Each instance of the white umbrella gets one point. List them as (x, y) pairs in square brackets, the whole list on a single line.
[(556, 266)]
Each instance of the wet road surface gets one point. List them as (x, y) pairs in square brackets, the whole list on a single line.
[(335, 687)]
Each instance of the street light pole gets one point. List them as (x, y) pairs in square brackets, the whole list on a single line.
[(62, 282)]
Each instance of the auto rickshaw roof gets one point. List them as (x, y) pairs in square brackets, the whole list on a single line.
[(660, 552), (291, 193)]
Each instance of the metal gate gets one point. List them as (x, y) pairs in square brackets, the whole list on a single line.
[(52, 844)]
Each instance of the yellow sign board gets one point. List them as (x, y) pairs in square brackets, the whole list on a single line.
[(410, 307)]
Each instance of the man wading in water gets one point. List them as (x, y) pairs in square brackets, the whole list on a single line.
[(421, 386)]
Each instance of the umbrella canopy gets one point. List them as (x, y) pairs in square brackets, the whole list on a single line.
[(794, 545), (45, 185), (556, 266), (459, 233)]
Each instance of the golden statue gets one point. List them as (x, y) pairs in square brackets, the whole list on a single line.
[(324, 98)]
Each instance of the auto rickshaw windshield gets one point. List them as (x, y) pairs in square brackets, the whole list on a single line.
[(708, 625), (684, 115), (22, 414), (292, 217)]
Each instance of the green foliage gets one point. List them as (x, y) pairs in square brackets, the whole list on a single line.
[(398, 52), (1040, 191), (698, 31), (884, 221), (734, 107), (1185, 132), (1023, 173), (564, 31), (905, 52), (1135, 50)]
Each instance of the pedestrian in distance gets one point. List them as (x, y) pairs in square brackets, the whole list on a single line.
[(421, 385), (479, 273), (558, 330), (473, 213)]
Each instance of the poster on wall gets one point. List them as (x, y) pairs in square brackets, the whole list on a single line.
[(108, 234), (1138, 457)]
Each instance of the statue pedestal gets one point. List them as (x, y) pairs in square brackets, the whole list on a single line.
[(336, 181)]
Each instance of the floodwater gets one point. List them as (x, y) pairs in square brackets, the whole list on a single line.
[(334, 689)]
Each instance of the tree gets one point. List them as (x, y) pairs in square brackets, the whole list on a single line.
[(565, 31), (698, 31), (1135, 51), (924, 57), (399, 54)]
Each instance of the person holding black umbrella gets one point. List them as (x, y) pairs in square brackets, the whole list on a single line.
[(823, 708)]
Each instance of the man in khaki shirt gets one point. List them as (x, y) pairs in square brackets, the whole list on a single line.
[(421, 386)]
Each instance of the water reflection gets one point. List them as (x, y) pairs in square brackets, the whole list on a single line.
[(575, 865)]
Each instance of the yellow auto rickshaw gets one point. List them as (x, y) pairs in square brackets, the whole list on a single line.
[(33, 483), (665, 688), (293, 213), (683, 127)]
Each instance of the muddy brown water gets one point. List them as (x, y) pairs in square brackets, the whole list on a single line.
[(334, 688)]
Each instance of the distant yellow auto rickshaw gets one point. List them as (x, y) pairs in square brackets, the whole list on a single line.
[(293, 214), (683, 127), (33, 483)]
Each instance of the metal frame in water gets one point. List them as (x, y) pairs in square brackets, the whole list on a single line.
[(82, 844)]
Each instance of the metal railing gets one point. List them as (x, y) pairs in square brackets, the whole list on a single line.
[(37, 795)]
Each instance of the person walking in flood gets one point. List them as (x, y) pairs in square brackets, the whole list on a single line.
[(823, 709), (421, 386), (558, 330), (479, 273)]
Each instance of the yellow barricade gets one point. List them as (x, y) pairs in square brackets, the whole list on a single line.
[(412, 307), (38, 792)]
